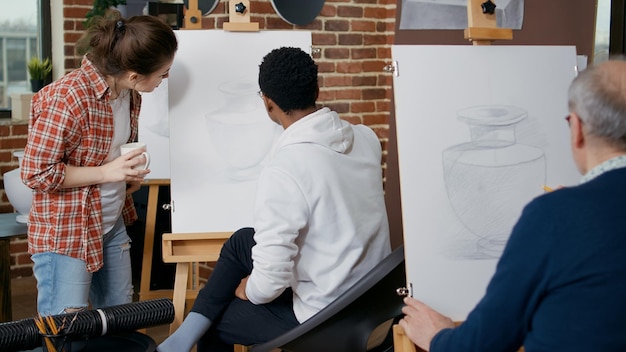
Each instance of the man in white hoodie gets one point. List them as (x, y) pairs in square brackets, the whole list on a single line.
[(320, 222)]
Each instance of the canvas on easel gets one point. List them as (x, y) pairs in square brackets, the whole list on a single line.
[(220, 133), (480, 130)]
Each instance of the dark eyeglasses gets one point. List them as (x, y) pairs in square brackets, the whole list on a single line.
[(567, 118)]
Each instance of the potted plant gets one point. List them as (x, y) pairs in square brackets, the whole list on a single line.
[(100, 8), (39, 70)]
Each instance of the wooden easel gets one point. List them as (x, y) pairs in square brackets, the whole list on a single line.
[(193, 16), (482, 30), (187, 249), (239, 17), (481, 27), (146, 262)]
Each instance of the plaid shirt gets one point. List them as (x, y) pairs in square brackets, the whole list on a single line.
[(71, 123)]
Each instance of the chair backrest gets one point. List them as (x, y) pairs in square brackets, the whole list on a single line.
[(346, 324)]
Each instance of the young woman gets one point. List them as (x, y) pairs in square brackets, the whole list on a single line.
[(81, 185)]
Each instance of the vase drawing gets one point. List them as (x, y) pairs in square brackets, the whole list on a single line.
[(492, 177), (240, 131), (19, 195)]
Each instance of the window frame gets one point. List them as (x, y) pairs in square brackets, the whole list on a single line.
[(45, 35)]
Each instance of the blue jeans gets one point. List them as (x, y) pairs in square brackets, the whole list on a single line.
[(64, 285)]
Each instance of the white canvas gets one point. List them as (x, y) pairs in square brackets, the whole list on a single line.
[(463, 188), (220, 133)]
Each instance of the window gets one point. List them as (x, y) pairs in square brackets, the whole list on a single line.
[(24, 33), (603, 31)]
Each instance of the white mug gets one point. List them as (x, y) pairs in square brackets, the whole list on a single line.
[(137, 145)]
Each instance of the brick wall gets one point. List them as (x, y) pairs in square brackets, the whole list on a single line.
[(12, 138), (354, 40)]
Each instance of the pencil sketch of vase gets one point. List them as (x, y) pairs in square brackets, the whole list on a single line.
[(491, 178), (240, 130)]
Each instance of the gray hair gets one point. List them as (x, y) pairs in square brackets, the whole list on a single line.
[(598, 97)]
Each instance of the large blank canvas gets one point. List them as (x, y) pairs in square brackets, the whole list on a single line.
[(220, 133), (480, 130)]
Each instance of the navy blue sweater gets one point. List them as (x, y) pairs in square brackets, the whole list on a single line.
[(560, 284)]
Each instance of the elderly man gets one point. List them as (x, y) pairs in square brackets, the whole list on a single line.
[(560, 284)]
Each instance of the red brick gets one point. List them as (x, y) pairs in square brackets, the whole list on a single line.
[(337, 25), (5, 131), (337, 81), (348, 94), (349, 11), (12, 143), (278, 23), (364, 81), (316, 25), (19, 246), (324, 39), (349, 67), (68, 25), (383, 106), (20, 129), (384, 26), (264, 7), (374, 93), (326, 95), (6, 156), (383, 51), (362, 26), (337, 53), (375, 12), (75, 12), (374, 39), (363, 53), (325, 66), (79, 2), (377, 119), (363, 106), (71, 37), (350, 39), (23, 259), (374, 66), (328, 10)]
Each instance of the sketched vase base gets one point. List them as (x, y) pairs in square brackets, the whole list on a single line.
[(491, 246)]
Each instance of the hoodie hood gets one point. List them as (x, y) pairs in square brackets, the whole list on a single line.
[(323, 127)]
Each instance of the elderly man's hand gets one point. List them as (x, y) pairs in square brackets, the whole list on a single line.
[(421, 323)]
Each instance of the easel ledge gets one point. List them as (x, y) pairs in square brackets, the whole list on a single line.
[(482, 27)]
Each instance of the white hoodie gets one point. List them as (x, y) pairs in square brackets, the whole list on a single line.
[(319, 217)]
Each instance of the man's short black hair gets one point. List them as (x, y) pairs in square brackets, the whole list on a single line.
[(288, 76)]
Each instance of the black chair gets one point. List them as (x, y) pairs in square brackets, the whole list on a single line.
[(345, 325), (162, 8)]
